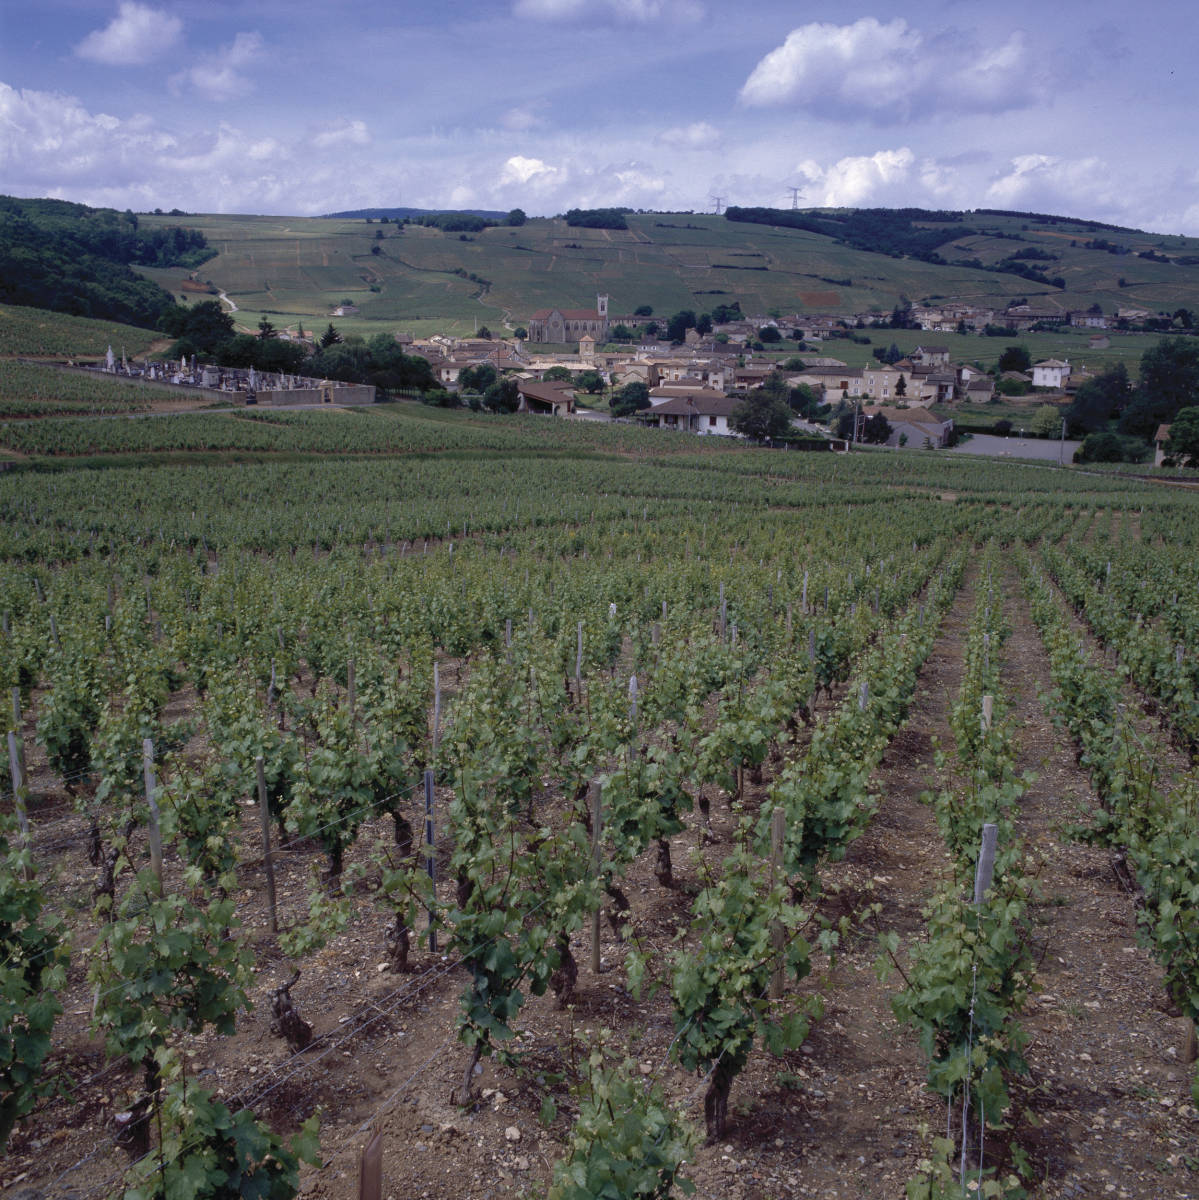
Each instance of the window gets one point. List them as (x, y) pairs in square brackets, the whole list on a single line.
[(711, 420)]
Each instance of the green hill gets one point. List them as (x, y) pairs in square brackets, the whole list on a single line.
[(421, 279)]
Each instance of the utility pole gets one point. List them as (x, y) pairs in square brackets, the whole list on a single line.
[(795, 194)]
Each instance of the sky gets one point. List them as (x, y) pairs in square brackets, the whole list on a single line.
[(301, 108)]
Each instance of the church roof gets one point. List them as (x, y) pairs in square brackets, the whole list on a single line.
[(568, 314)]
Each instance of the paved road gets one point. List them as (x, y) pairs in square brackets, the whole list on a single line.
[(1017, 447)]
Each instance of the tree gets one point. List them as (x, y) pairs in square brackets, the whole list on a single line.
[(1184, 436), (651, 330), (621, 333), (1098, 400), (484, 333), (590, 381), (901, 386), (643, 310), (205, 325), (629, 399), (477, 379), (1101, 447), (876, 430), (503, 396), (703, 324), (557, 375), (677, 326), (516, 217), (1046, 422), (804, 401), (1168, 382), (520, 333), (266, 330), (894, 354), (770, 333), (762, 416), (330, 337), (1015, 358)]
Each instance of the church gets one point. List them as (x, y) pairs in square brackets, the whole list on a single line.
[(570, 324)]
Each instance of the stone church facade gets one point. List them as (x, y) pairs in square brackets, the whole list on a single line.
[(570, 324)]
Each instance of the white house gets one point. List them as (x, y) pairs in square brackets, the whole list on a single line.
[(701, 411), (1051, 373)]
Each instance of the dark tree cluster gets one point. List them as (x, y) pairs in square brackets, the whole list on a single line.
[(598, 218), (892, 231), (70, 258)]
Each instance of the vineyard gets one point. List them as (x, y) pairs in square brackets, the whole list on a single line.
[(593, 813)]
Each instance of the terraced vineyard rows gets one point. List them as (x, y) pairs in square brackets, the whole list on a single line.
[(591, 784)]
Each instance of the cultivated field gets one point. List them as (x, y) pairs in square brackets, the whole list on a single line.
[(423, 280), (36, 333), (452, 641)]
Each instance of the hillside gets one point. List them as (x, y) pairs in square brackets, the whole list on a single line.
[(74, 259), (421, 279)]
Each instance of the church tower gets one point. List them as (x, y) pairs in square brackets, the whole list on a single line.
[(601, 307)]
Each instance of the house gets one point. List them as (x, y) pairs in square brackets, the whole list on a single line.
[(1051, 373), (980, 390), (1160, 438), (914, 427), (885, 384), (548, 399), (701, 411), (833, 382), (570, 324), (930, 356), (1088, 320)]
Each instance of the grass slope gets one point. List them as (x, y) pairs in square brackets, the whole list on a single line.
[(422, 279)]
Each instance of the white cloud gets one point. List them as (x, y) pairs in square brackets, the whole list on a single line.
[(699, 135), (220, 76), (861, 180), (618, 12), (1048, 183), (135, 35), (891, 73), (524, 117), (52, 145), (519, 169), (342, 132)]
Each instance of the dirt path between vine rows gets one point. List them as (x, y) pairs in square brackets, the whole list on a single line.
[(856, 1112), (1108, 1083)]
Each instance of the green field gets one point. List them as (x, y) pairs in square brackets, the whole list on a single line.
[(300, 268)]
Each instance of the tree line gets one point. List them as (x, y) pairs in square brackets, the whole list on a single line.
[(207, 331)]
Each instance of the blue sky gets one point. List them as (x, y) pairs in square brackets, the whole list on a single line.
[(302, 108)]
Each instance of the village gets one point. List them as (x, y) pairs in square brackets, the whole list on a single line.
[(695, 384)]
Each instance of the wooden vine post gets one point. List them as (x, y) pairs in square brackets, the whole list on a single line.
[(152, 802), (597, 827), (778, 833), (16, 766), (264, 818), (370, 1169)]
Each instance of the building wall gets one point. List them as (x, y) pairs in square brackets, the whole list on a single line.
[(348, 393)]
